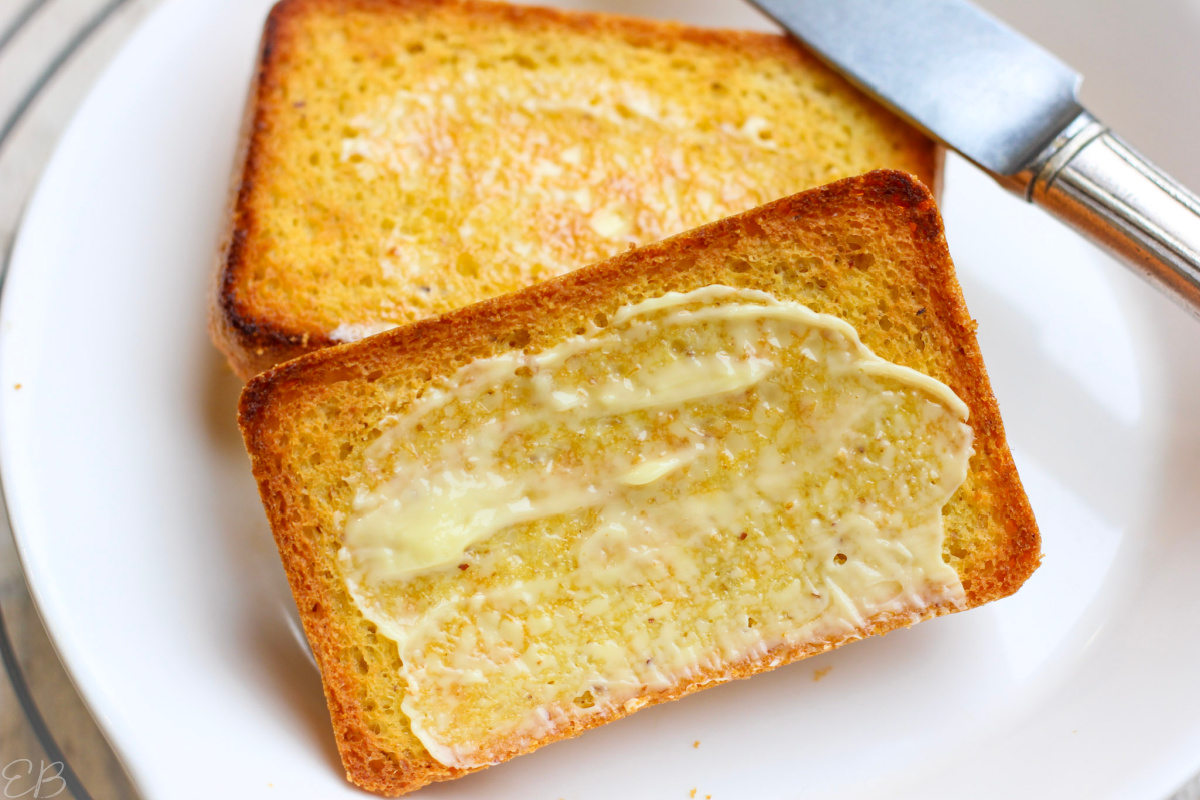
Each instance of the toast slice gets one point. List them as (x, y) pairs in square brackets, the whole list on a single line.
[(326, 430), (402, 158)]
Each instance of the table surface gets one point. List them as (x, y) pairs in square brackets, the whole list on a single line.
[(51, 51)]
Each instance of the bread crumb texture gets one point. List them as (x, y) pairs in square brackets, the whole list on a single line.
[(409, 157), (869, 250), (712, 477)]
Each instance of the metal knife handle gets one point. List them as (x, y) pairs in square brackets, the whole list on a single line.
[(1096, 183)]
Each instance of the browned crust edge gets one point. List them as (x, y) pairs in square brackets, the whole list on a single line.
[(253, 339), (474, 330), (250, 340)]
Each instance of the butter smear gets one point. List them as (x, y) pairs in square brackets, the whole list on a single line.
[(705, 482)]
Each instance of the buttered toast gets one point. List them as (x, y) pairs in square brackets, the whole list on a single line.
[(691, 463), (402, 158)]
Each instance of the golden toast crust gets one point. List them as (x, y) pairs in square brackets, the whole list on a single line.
[(256, 332), (867, 249)]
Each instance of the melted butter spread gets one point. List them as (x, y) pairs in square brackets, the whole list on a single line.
[(710, 478)]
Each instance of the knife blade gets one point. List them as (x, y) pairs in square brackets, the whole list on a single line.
[(1012, 108)]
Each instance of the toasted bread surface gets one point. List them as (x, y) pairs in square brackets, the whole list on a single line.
[(869, 250), (406, 157)]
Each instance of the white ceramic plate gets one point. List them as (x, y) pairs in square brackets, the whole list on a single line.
[(151, 562)]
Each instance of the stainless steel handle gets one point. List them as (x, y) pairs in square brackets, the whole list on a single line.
[(1100, 186)]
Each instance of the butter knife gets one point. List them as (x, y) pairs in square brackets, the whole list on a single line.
[(1012, 108)]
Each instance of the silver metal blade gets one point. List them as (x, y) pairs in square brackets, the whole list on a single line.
[(952, 70)]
